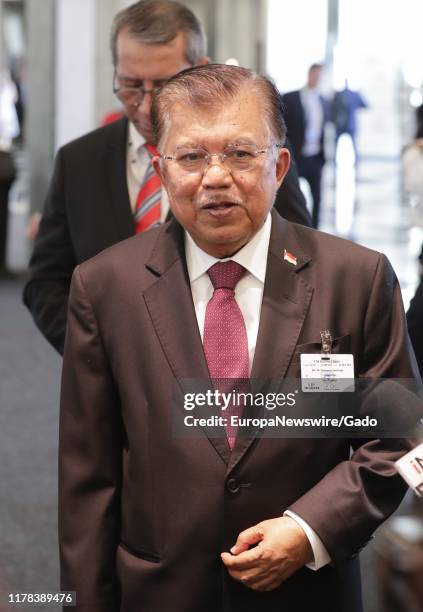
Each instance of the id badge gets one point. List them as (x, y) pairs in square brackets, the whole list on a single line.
[(327, 373)]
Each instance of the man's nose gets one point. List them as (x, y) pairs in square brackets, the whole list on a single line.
[(216, 174), (144, 108)]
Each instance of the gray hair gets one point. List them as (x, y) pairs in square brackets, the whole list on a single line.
[(160, 21), (214, 84)]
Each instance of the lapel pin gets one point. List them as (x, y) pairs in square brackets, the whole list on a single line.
[(289, 257)]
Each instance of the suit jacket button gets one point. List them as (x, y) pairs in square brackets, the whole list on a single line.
[(232, 485)]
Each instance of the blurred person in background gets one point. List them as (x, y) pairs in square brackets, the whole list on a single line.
[(103, 188), (412, 168), (9, 129), (306, 113), (412, 164), (345, 105), (18, 76), (419, 116)]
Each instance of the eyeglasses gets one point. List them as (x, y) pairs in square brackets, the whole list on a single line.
[(242, 158), (134, 95)]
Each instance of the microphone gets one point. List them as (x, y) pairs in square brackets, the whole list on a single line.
[(410, 466)]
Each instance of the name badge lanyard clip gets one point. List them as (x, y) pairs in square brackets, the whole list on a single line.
[(326, 349)]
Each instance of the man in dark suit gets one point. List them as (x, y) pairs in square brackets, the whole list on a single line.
[(226, 290), (306, 112), (98, 179)]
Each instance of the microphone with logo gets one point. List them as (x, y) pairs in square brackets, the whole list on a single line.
[(399, 548), (410, 466)]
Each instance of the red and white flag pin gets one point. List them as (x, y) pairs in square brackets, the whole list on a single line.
[(289, 257)]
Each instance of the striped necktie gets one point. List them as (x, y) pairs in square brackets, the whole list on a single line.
[(147, 207)]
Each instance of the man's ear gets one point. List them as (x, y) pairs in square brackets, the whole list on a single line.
[(203, 61), (158, 168), (282, 164)]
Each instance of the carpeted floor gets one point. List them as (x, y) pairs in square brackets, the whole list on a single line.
[(29, 411)]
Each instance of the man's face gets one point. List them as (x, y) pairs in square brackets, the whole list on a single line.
[(148, 65), (221, 210), (314, 76)]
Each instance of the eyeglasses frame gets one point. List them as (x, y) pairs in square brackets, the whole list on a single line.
[(141, 92), (221, 157)]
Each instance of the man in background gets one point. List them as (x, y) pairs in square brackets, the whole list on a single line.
[(306, 113), (9, 129), (103, 188), (344, 107)]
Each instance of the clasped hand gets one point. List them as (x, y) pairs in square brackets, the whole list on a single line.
[(280, 547)]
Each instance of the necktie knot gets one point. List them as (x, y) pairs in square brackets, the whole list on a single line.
[(226, 274)]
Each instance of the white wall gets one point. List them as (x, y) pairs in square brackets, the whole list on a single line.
[(296, 38), (75, 69)]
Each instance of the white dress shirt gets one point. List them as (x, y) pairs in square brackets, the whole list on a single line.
[(248, 291), (137, 161), (249, 296), (310, 99)]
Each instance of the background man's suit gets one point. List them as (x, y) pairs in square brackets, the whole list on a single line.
[(308, 167), (87, 210), (157, 510)]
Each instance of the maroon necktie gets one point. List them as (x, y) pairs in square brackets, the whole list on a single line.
[(225, 336)]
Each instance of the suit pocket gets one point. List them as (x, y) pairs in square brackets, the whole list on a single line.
[(341, 344), (141, 577), (140, 554)]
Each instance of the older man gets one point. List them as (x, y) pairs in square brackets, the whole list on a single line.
[(150, 520), (103, 188)]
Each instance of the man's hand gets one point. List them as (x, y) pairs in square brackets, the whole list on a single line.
[(282, 548)]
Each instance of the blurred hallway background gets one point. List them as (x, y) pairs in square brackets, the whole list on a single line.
[(61, 50)]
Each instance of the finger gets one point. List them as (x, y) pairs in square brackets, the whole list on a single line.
[(262, 581), (247, 538), (246, 578), (268, 581), (244, 561), (256, 579)]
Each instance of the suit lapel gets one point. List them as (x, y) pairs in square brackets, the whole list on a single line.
[(115, 164), (169, 303), (286, 300)]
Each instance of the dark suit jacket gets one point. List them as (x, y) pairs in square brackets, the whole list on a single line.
[(415, 324), (295, 120), (144, 514), (87, 210)]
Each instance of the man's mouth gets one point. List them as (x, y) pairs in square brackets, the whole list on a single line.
[(220, 208)]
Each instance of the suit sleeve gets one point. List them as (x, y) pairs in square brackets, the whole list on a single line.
[(90, 462), (290, 201), (51, 266), (355, 497)]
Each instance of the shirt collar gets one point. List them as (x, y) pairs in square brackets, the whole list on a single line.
[(308, 92), (252, 256), (135, 139)]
